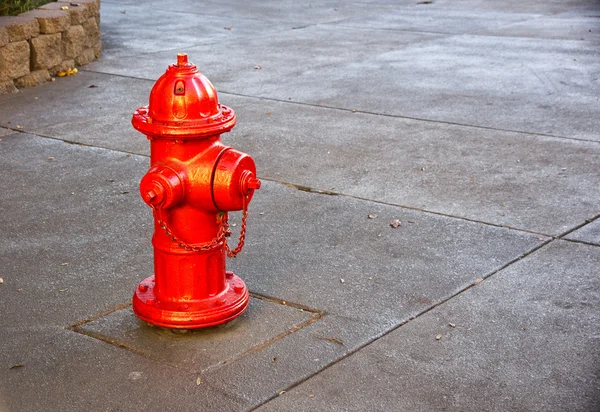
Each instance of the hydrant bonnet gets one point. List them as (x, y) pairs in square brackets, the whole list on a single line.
[(183, 104)]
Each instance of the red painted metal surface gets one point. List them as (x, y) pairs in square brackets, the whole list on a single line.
[(193, 181)]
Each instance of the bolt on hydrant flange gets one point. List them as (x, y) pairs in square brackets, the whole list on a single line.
[(193, 181)]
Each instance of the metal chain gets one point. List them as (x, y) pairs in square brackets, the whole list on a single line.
[(222, 234)]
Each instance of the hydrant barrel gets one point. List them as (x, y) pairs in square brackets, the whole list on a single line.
[(193, 182)]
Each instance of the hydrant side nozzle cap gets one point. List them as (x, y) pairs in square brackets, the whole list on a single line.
[(183, 103)]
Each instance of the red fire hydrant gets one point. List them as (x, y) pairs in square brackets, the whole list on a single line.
[(193, 181)]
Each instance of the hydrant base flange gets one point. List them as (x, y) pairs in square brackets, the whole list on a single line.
[(216, 310)]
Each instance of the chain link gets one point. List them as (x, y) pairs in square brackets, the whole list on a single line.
[(222, 234)]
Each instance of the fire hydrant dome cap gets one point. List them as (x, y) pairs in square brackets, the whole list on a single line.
[(183, 103)]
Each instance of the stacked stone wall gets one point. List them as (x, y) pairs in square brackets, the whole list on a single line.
[(56, 37)]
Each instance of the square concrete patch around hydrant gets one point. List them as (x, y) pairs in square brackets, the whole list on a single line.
[(202, 349)]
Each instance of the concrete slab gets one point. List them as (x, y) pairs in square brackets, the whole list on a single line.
[(96, 112), (511, 6), (536, 183), (512, 179), (290, 12), (5, 132), (129, 29), (589, 233), (531, 85), (536, 351), (76, 236), (385, 275), (204, 349), (564, 26), (232, 65), (50, 369), (436, 20)]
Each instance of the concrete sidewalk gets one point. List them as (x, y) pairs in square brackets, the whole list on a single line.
[(475, 123)]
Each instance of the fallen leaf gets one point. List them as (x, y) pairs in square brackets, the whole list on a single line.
[(273, 360), (329, 338), (478, 281), (18, 365), (19, 126), (395, 223), (198, 381), (281, 393), (62, 290), (438, 336), (69, 72), (64, 8), (257, 67), (372, 216), (268, 113)]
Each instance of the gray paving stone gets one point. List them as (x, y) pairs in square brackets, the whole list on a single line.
[(589, 233), (65, 371), (203, 349), (535, 351)]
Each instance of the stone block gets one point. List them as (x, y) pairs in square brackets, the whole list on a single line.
[(50, 21), (92, 32), (33, 79), (14, 60), (97, 48), (85, 57), (62, 67), (7, 87), (46, 51), (73, 41), (78, 12), (4, 39), (20, 27)]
